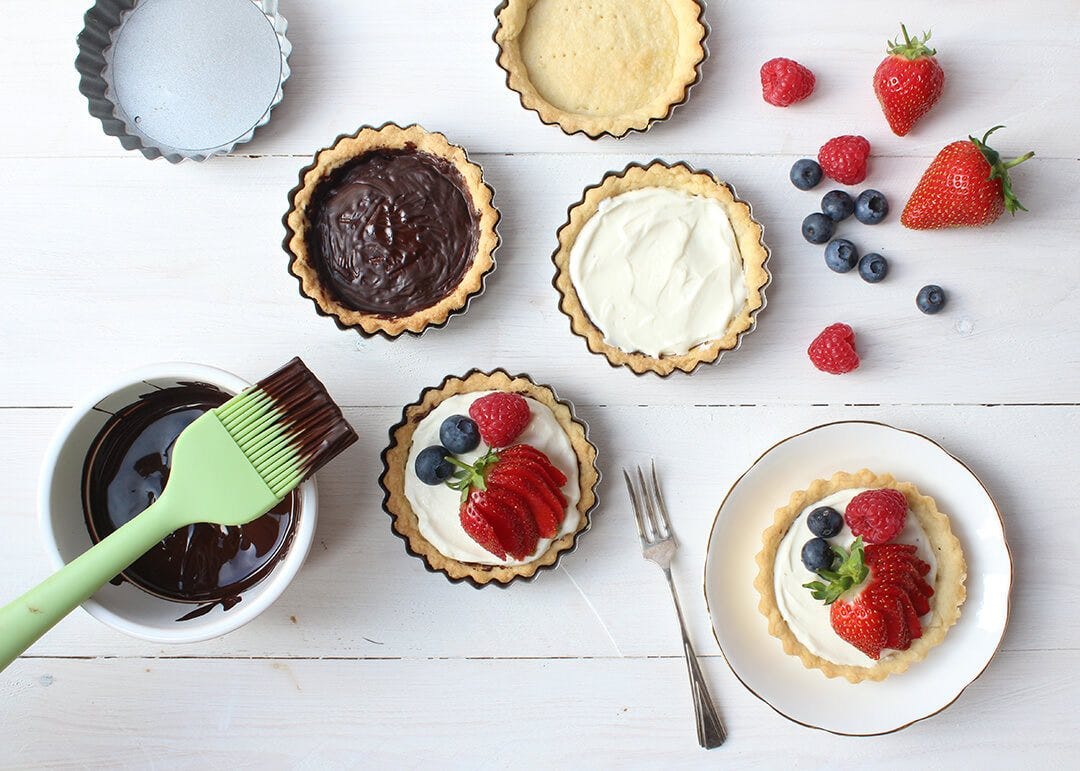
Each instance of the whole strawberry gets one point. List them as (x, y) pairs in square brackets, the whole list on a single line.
[(966, 185), (908, 82), (785, 81), (833, 351), (844, 159)]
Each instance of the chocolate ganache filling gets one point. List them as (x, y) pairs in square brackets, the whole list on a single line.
[(393, 231), (125, 471)]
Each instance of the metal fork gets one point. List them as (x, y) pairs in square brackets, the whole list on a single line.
[(658, 545)]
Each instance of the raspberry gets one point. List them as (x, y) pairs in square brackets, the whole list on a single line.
[(844, 159), (833, 351), (877, 515), (784, 82), (501, 417)]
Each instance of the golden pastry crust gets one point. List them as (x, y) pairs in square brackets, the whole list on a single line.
[(396, 456), (390, 136), (949, 589), (603, 67), (748, 234)]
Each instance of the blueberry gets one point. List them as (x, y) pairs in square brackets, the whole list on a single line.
[(817, 555), (931, 299), (459, 434), (873, 267), (432, 466), (817, 228), (871, 207), (841, 255), (805, 174), (837, 205), (825, 521)]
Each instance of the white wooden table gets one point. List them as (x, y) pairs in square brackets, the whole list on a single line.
[(111, 261)]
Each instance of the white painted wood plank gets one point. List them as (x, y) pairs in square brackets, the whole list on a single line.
[(434, 62), (360, 595), (115, 263), (628, 713)]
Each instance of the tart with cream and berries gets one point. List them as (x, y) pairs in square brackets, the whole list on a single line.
[(860, 576), (489, 477), (661, 268)]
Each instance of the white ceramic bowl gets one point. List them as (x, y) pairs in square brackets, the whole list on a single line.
[(127, 607)]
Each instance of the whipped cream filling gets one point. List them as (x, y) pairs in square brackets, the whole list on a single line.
[(437, 507), (659, 271), (808, 618)]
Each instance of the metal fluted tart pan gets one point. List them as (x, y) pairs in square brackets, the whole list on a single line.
[(171, 81), (403, 519)]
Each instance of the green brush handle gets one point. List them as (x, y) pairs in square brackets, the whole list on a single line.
[(26, 619), (212, 480)]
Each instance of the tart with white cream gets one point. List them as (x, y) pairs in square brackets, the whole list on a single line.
[(860, 576), (661, 268), (489, 477)]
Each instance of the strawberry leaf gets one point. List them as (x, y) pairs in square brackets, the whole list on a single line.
[(1000, 170), (472, 476), (851, 572), (911, 48)]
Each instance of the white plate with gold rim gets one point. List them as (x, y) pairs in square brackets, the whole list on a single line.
[(806, 696)]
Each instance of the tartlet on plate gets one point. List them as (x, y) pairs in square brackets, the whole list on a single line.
[(429, 517), (801, 620), (391, 230), (645, 289), (603, 67)]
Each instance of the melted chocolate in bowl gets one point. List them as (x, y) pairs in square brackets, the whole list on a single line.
[(125, 471), (393, 231)]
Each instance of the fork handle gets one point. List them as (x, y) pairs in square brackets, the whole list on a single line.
[(710, 731)]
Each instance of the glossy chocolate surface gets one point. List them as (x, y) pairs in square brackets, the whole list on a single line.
[(393, 232), (125, 471)]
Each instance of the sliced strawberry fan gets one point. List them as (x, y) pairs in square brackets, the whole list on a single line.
[(510, 499)]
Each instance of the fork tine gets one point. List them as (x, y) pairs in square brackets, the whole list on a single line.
[(637, 509), (665, 520), (650, 507)]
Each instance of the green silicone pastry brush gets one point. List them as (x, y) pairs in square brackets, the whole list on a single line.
[(230, 466)]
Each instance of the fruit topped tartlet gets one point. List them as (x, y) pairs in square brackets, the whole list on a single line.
[(860, 576), (489, 477)]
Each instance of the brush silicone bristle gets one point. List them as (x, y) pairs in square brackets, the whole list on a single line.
[(287, 426)]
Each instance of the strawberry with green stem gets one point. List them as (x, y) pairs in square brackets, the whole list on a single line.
[(510, 498), (966, 185), (876, 595), (908, 82)]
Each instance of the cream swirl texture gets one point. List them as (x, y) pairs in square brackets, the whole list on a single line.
[(659, 271)]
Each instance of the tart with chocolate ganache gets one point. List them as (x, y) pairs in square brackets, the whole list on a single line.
[(602, 67), (391, 230), (661, 268), (860, 576), (489, 477)]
